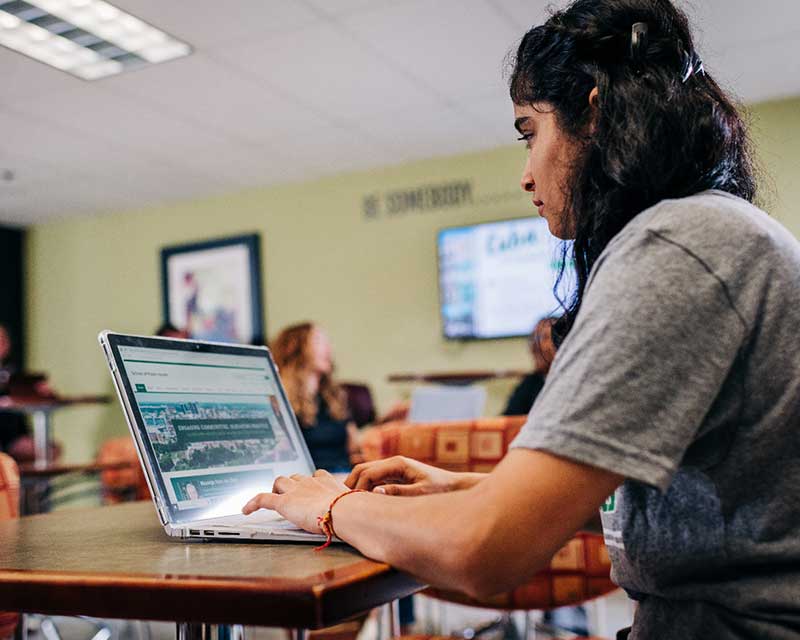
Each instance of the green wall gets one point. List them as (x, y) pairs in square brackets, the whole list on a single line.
[(370, 282), (775, 130)]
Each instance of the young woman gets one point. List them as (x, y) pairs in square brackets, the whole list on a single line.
[(543, 350), (303, 354), (674, 398), (12, 426)]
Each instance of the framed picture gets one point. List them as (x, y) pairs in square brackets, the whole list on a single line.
[(213, 289)]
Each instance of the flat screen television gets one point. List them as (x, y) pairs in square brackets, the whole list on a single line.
[(496, 279)]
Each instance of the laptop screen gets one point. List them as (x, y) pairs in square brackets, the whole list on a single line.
[(216, 424)]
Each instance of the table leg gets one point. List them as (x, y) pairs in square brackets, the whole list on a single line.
[(391, 612), (202, 631), (41, 436), (21, 632), (230, 632)]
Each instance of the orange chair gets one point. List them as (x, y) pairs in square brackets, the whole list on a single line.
[(460, 445), (9, 508), (580, 571), (125, 484)]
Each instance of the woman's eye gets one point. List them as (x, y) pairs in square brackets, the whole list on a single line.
[(526, 138)]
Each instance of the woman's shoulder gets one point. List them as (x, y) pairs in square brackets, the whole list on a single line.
[(712, 233), (713, 226), (709, 214)]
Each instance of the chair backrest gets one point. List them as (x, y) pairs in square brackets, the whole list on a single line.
[(439, 402), (125, 484), (9, 508), (9, 487), (461, 445), (360, 403)]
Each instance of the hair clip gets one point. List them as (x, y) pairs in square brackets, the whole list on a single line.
[(638, 41), (692, 64)]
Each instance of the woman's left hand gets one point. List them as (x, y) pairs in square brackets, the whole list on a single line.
[(299, 499)]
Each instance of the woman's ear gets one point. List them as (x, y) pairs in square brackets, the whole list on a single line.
[(594, 108), (594, 98)]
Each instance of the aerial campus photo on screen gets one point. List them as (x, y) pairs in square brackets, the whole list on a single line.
[(202, 435)]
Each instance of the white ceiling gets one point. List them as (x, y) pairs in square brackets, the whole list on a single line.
[(281, 91)]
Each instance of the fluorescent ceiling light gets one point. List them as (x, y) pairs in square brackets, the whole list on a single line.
[(90, 39)]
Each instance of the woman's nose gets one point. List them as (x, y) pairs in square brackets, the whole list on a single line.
[(526, 182)]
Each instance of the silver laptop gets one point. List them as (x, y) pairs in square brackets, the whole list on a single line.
[(213, 428)]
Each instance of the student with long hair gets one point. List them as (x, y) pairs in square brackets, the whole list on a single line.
[(304, 356), (674, 398)]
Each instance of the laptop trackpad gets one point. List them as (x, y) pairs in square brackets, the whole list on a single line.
[(260, 519)]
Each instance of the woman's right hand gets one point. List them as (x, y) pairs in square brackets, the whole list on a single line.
[(401, 476)]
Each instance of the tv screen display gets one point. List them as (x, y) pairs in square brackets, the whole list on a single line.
[(496, 279)]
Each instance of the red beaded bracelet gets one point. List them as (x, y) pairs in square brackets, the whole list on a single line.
[(325, 521)]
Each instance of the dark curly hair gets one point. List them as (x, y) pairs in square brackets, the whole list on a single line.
[(663, 128)]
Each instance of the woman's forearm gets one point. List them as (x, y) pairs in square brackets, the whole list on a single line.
[(432, 537), (484, 539), (467, 480)]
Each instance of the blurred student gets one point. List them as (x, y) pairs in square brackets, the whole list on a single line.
[(543, 350), (15, 438), (12, 425), (169, 330), (304, 355)]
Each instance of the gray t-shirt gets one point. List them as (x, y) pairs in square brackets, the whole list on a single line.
[(682, 373)]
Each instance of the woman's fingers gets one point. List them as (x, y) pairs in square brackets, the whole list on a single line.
[(362, 474), (369, 474), (283, 484), (401, 489), (261, 501), (352, 479)]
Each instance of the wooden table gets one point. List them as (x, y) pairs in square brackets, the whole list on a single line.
[(41, 410), (117, 562)]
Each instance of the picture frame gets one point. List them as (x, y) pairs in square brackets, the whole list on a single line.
[(212, 289)]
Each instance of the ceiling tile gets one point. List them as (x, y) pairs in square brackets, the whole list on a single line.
[(33, 142), (441, 132), (24, 77), (344, 7), (324, 68), (216, 97), (723, 25), (94, 113), (207, 23), (523, 14), (65, 172), (50, 194), (319, 152), (748, 71), (495, 114), (448, 48)]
